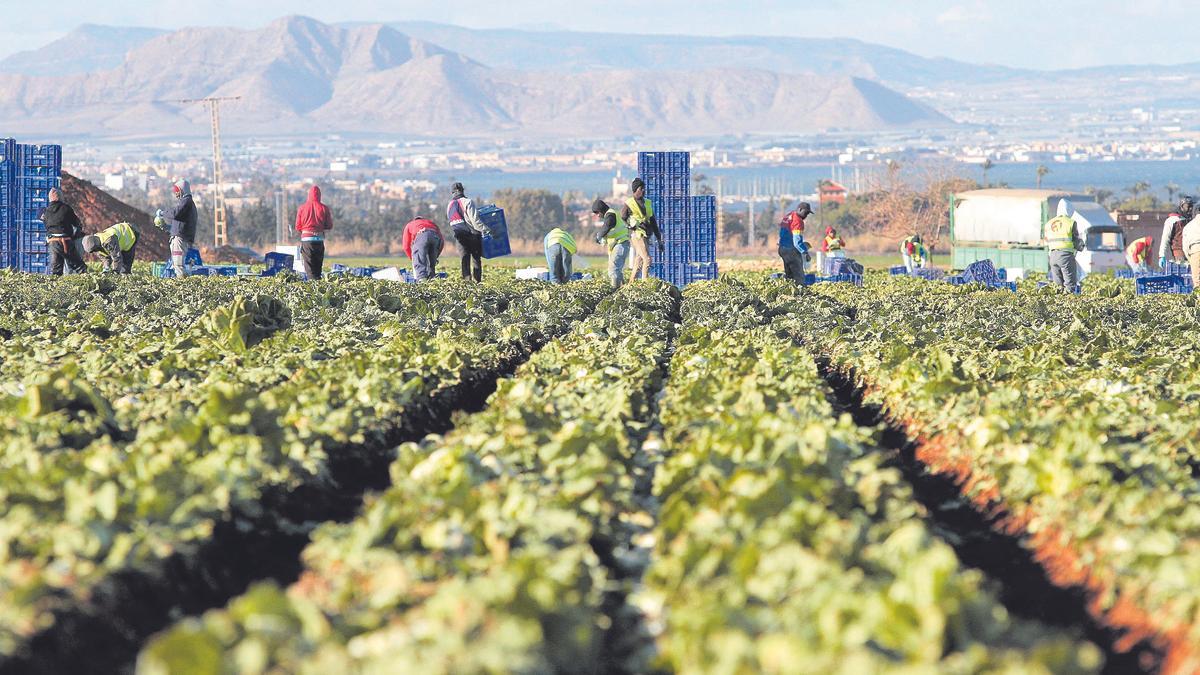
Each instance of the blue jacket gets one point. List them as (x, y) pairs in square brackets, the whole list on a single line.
[(183, 218)]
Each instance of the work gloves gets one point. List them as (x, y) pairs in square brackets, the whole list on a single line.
[(599, 239), (661, 248), (159, 221), (1162, 262)]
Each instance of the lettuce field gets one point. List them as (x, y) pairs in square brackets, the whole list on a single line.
[(356, 476)]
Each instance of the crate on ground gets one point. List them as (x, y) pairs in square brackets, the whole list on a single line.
[(932, 274), (1003, 286), (835, 266), (496, 245), (856, 279), (1169, 283), (701, 272), (677, 252), (278, 262), (982, 271), (900, 270), (672, 273), (956, 280)]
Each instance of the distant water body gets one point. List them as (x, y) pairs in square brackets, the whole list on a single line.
[(1076, 177)]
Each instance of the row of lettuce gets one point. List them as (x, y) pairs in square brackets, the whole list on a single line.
[(1078, 416), (779, 538), (126, 444)]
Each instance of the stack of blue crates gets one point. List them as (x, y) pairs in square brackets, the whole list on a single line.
[(688, 224), (27, 173)]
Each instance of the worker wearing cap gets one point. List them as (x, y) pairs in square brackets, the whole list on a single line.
[(638, 212), (615, 235), (1170, 248), (560, 251), (1137, 254), (792, 247), (1062, 242), (914, 253), (181, 221), (468, 231), (423, 244), (62, 230), (115, 245)]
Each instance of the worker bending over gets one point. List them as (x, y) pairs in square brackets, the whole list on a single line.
[(791, 242), (468, 231), (1137, 254), (914, 253), (1171, 248), (313, 220), (181, 223), (1062, 241), (423, 244), (615, 235), (62, 230), (116, 247), (560, 251), (638, 212)]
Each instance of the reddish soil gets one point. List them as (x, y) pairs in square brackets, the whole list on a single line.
[(98, 210), (1057, 554)]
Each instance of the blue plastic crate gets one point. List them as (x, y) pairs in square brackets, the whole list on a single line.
[(932, 274), (677, 252), (497, 245), (276, 263), (855, 279), (898, 271), (1171, 283), (8, 149), (700, 272), (7, 185), (704, 253), (1181, 269), (39, 160), (982, 271), (956, 280), (32, 262), (1003, 286)]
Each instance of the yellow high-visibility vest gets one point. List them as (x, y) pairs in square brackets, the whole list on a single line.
[(619, 233), (637, 219), (1060, 234), (561, 237), (124, 232)]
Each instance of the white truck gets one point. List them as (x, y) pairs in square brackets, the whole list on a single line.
[(1006, 227)]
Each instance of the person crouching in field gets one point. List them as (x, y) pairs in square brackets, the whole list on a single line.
[(115, 246), (423, 244), (791, 242)]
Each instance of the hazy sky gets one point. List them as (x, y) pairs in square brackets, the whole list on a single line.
[(1029, 33)]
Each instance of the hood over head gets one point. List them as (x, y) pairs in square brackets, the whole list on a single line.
[(91, 243), (458, 191), (314, 194), (599, 206), (182, 187), (1066, 208), (829, 231)]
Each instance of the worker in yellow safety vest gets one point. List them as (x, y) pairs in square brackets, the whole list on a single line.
[(1062, 241), (560, 249), (639, 214), (115, 245), (616, 236)]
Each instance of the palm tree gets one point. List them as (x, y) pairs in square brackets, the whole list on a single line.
[(1103, 197), (1138, 188), (1172, 190), (1041, 173), (987, 166)]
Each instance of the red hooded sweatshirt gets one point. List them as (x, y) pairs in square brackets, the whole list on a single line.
[(313, 218), (413, 229)]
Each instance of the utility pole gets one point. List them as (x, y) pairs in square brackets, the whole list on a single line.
[(720, 212), (281, 217), (750, 225), (220, 217)]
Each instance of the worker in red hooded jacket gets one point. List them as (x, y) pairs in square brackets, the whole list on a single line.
[(313, 220), (423, 244)]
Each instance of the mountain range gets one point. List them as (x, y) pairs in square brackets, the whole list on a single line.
[(298, 75)]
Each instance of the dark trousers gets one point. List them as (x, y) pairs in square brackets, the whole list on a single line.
[(426, 249), (64, 250), (793, 264), (312, 254), (470, 248)]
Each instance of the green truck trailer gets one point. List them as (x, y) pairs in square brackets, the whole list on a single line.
[(1006, 227)]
